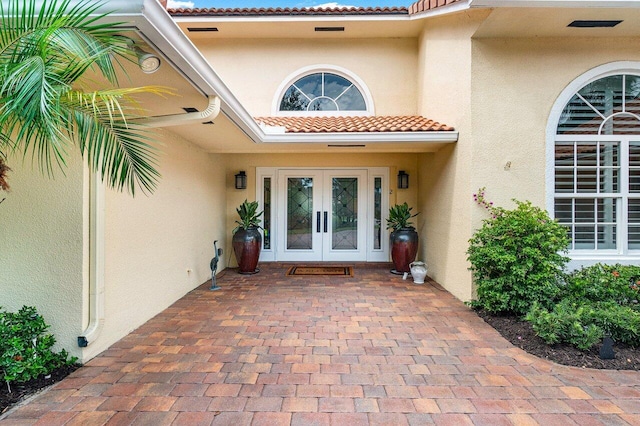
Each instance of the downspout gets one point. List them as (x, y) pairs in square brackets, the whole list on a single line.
[(209, 113), (96, 222), (96, 262)]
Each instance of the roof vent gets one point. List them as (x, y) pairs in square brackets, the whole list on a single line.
[(328, 29), (594, 24), (190, 109), (202, 29)]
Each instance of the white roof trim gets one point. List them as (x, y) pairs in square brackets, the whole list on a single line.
[(161, 31), (363, 137)]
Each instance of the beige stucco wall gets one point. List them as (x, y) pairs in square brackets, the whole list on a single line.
[(41, 246), (509, 124), (387, 66), (158, 248), (248, 163), (444, 176)]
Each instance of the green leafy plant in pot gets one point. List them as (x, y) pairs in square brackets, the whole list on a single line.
[(247, 240), (403, 238)]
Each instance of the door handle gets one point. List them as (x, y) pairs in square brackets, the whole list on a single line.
[(326, 221), (318, 222)]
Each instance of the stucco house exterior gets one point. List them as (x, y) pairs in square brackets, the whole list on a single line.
[(322, 109)]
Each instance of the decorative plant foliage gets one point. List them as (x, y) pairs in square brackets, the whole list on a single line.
[(400, 216), (249, 216), (45, 49), (605, 283), (517, 259), (596, 301), (25, 349)]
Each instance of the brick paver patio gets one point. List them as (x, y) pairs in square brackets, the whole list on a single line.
[(372, 349)]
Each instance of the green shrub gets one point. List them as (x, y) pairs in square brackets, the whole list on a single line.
[(564, 324), (605, 283), (585, 323), (25, 349), (517, 259)]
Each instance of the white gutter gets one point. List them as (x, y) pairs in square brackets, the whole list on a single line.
[(161, 32), (164, 34), (208, 114)]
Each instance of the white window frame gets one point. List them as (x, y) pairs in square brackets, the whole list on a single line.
[(586, 257), (322, 68)]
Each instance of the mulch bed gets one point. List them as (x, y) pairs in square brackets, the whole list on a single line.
[(521, 334), (20, 391)]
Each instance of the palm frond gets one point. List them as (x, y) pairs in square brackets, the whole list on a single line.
[(63, 30), (28, 92), (45, 49), (122, 151)]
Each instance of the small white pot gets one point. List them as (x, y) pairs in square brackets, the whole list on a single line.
[(418, 271)]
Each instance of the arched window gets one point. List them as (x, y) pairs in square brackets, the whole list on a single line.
[(596, 165), (323, 91)]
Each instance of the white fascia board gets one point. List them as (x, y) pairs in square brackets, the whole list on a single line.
[(190, 62), (364, 137), (159, 29), (557, 3), (156, 26)]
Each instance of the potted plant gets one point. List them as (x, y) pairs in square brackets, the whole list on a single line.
[(403, 238), (247, 240)]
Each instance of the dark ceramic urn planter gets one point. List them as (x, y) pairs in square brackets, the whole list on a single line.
[(246, 245), (404, 247)]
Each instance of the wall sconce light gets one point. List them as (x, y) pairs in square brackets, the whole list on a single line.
[(403, 180), (241, 180), (148, 62)]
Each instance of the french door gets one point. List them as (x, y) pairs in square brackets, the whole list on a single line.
[(323, 214)]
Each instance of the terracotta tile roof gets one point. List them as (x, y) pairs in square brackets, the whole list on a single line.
[(355, 124), (339, 11), (423, 5)]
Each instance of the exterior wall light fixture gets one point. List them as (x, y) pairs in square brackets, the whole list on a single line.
[(148, 62), (241, 180), (403, 180)]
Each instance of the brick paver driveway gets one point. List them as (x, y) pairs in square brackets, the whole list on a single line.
[(372, 349)]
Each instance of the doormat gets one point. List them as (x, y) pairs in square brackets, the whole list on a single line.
[(346, 271)]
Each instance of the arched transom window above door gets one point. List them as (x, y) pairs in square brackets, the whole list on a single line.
[(323, 91), (596, 165)]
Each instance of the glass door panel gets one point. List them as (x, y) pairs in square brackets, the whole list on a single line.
[(344, 214), (345, 201), (299, 213), (299, 197)]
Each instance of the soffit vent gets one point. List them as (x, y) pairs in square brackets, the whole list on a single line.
[(190, 109), (594, 24), (328, 29), (202, 29)]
